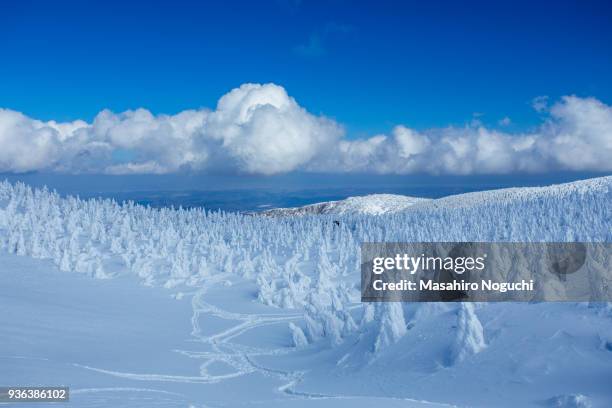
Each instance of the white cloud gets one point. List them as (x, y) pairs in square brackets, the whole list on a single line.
[(577, 135), (27, 144), (265, 131), (260, 129)]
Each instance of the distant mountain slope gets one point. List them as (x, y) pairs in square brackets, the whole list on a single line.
[(600, 186), (374, 204), (378, 204)]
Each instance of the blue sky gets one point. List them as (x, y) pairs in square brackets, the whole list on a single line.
[(368, 65)]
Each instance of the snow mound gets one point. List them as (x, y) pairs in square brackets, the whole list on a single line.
[(374, 204)]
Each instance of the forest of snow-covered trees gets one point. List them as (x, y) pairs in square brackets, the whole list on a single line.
[(309, 263)]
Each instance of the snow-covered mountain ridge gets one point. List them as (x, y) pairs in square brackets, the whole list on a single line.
[(600, 185), (373, 204), (378, 204)]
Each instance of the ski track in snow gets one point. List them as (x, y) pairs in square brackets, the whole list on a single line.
[(225, 351), (235, 355)]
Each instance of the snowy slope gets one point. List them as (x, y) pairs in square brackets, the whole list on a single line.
[(119, 344), (374, 204), (377, 204), (267, 308), (517, 195)]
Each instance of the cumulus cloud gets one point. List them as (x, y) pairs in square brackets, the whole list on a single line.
[(254, 129), (577, 135), (260, 129), (265, 131)]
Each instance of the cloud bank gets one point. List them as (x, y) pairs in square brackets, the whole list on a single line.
[(260, 129)]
